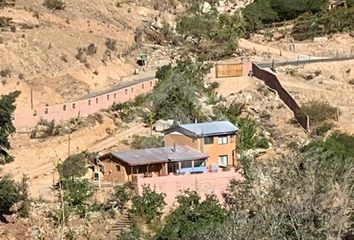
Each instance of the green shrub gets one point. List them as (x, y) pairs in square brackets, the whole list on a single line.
[(247, 135), (141, 142), (74, 166), (12, 193), (54, 4), (322, 128), (192, 215), (61, 215), (262, 143), (149, 205), (120, 196), (5, 73), (309, 25), (91, 49), (77, 192), (319, 111), (111, 44), (45, 129)]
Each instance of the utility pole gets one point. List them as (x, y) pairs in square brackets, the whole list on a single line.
[(31, 99), (69, 145)]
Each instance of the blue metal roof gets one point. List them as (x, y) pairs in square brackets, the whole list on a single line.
[(210, 128)]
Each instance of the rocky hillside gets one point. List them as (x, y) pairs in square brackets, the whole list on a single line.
[(65, 54)]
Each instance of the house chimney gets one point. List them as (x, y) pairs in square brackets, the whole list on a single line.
[(174, 147)]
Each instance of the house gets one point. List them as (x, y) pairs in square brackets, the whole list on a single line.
[(216, 139), (333, 4), (123, 166)]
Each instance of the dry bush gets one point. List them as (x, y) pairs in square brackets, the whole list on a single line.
[(54, 4), (320, 111), (7, 3)]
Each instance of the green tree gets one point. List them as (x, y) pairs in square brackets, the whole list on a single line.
[(258, 13), (149, 205), (120, 196), (191, 216), (142, 142), (77, 192), (307, 196), (7, 108), (12, 193), (262, 12), (74, 166), (247, 135), (176, 95), (209, 34)]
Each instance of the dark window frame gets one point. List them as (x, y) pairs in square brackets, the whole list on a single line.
[(208, 140)]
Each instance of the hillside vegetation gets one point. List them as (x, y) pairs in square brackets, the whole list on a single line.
[(312, 17)]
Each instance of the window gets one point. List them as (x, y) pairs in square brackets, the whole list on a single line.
[(74, 105), (118, 168), (46, 111), (64, 108), (96, 100), (142, 86), (89, 102), (114, 95), (186, 164), (150, 83), (172, 167), (107, 97), (223, 160), (199, 163), (126, 91), (97, 176), (132, 89), (208, 140), (222, 140)]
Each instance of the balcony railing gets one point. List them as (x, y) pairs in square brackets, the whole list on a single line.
[(192, 170)]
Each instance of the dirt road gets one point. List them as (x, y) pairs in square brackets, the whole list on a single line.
[(37, 160)]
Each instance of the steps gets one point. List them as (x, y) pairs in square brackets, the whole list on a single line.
[(124, 222)]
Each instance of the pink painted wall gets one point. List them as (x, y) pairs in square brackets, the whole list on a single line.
[(83, 107), (204, 183), (247, 66)]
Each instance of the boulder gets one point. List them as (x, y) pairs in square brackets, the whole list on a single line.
[(162, 125)]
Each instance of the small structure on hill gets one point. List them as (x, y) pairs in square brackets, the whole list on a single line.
[(189, 149), (333, 4)]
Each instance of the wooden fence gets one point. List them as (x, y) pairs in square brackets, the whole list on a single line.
[(272, 81), (229, 70)]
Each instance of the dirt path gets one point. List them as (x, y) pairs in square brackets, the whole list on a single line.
[(111, 141), (259, 48), (37, 160)]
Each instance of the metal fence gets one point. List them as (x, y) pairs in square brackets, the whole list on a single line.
[(271, 80), (301, 61)]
